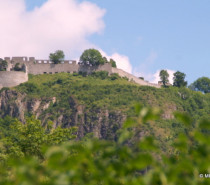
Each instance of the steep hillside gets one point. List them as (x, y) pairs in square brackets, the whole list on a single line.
[(99, 103)]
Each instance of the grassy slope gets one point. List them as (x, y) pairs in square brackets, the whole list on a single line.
[(115, 94), (119, 94)]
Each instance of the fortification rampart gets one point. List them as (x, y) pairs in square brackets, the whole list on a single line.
[(89, 69), (12, 78), (33, 66), (40, 66), (49, 68), (133, 78)]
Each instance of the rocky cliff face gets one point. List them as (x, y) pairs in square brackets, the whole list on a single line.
[(18, 105), (102, 123)]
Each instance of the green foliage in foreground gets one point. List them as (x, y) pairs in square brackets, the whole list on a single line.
[(95, 162), (19, 140)]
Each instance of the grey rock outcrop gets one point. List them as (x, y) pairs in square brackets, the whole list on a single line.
[(101, 123)]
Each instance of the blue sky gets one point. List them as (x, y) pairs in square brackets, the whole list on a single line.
[(178, 32), (155, 34)]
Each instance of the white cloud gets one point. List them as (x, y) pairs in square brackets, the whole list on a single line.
[(155, 77), (122, 61), (57, 24), (143, 70)]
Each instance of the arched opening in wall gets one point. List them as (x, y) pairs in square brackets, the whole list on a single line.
[(45, 62), (68, 71), (50, 62), (39, 61), (45, 72), (50, 72), (70, 62), (56, 72), (62, 62)]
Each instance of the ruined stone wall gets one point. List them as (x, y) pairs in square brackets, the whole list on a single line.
[(89, 69), (42, 66), (106, 67), (12, 78), (46, 66), (133, 78), (52, 68), (36, 67), (50, 62), (20, 60)]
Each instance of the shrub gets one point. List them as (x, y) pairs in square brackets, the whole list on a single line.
[(17, 67), (84, 74), (59, 81), (114, 76), (29, 87), (113, 63), (3, 65), (100, 74)]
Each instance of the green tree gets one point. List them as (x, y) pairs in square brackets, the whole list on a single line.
[(17, 67), (164, 77), (20, 68), (28, 139), (91, 57), (23, 68), (105, 60), (3, 65), (113, 63), (201, 84), (179, 79), (57, 57)]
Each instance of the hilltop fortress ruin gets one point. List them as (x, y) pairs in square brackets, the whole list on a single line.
[(10, 78)]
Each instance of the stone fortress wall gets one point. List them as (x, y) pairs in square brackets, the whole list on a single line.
[(48, 67), (11, 78), (133, 78)]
